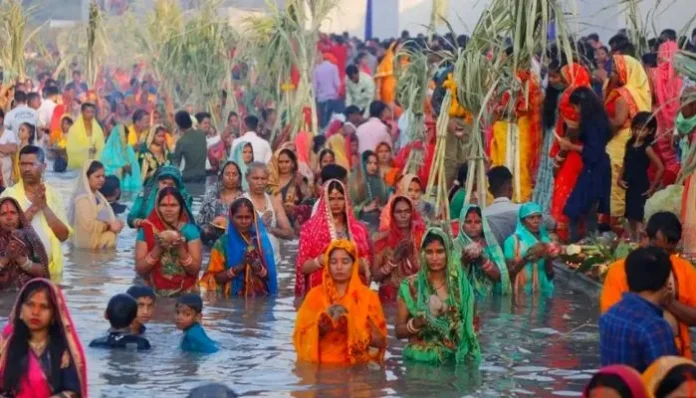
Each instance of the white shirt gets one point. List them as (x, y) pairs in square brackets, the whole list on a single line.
[(8, 137), (19, 115), (261, 148), (46, 113), (372, 133)]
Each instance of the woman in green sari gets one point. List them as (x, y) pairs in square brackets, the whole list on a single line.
[(119, 160), (435, 308), (529, 253), (166, 176), (482, 257), (243, 157), (368, 191)]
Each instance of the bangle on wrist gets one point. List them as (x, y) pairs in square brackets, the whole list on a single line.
[(150, 259), (187, 261), (27, 265), (231, 273)]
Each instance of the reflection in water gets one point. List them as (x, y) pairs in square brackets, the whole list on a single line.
[(537, 347)]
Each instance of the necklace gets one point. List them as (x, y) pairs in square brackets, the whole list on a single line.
[(38, 347)]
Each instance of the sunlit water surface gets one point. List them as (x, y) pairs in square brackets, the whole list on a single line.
[(540, 348)]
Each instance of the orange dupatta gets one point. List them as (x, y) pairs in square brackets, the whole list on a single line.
[(364, 312)]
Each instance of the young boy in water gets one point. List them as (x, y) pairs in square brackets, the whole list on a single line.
[(188, 317), (121, 312), (145, 297)]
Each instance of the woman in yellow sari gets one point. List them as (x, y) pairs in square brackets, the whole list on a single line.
[(337, 144), (628, 92), (516, 139), (671, 376), (341, 321), (385, 79), (85, 139)]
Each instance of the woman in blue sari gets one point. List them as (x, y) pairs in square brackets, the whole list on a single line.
[(529, 253), (242, 262), (483, 260), (166, 176), (120, 160), (243, 156)]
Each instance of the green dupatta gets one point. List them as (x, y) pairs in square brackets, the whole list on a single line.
[(533, 276), (479, 280), (449, 337)]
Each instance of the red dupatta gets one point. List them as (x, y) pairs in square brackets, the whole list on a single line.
[(577, 76), (35, 383), (167, 277), (316, 235)]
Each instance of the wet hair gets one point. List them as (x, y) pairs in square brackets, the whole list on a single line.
[(352, 110), (87, 105), (239, 203), (17, 349), (139, 114), (94, 167), (141, 291), (432, 237), (200, 116), (292, 156), (33, 150), (252, 122), (121, 310), (324, 152), (647, 269), (667, 223), (352, 70), (212, 390), (32, 132), (183, 120), (20, 96), (377, 108), (333, 172), (612, 381), (675, 378), (193, 301), (498, 177)]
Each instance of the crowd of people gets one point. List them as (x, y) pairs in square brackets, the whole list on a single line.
[(596, 140)]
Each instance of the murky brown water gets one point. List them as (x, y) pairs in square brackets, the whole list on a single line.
[(539, 349)]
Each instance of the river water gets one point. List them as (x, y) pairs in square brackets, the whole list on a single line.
[(534, 348)]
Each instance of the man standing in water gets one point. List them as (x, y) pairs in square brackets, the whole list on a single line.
[(192, 148), (42, 205)]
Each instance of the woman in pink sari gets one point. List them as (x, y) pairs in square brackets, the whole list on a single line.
[(40, 353), (668, 85), (333, 220)]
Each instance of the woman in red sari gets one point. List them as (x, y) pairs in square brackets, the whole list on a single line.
[(568, 164), (41, 346), (168, 248), (396, 254), (333, 220)]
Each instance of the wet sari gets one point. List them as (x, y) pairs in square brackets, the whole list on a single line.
[(144, 203), (37, 383), (569, 169), (230, 251), (656, 373), (449, 337), (149, 162), (364, 312), (478, 279), (388, 289), (213, 207), (79, 144), (532, 278), (168, 277), (316, 235), (116, 155), (13, 276), (635, 91)]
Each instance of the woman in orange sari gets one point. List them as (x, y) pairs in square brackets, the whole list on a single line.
[(341, 321), (397, 252), (628, 92), (385, 80), (568, 163)]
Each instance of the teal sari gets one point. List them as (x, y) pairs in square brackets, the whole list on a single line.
[(116, 155), (237, 157), (144, 203), (482, 285), (448, 337), (532, 277)]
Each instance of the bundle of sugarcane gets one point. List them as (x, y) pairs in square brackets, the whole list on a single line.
[(412, 92), (14, 18)]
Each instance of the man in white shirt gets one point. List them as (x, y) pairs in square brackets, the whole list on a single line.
[(374, 132), (360, 89), (48, 105), (262, 149), (9, 144), (21, 113)]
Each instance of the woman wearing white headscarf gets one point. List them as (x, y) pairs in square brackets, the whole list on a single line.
[(89, 213)]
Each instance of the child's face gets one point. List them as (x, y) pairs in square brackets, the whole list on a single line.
[(641, 133), (146, 306), (185, 317)]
